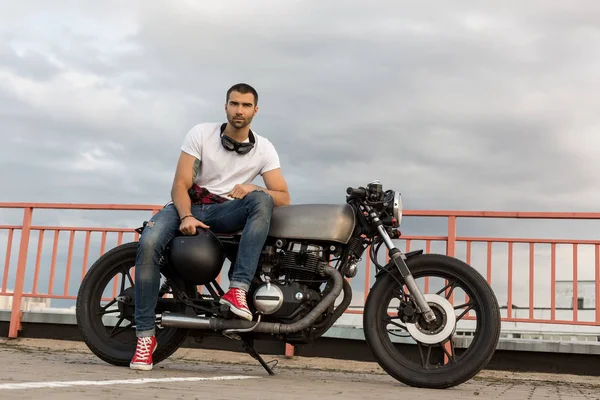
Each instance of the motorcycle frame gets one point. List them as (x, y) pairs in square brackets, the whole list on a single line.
[(370, 229)]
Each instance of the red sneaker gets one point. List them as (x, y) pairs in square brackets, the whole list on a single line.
[(236, 299), (142, 358)]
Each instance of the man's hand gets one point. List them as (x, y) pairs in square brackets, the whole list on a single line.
[(189, 224), (240, 191)]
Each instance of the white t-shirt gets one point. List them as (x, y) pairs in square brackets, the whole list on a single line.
[(219, 169)]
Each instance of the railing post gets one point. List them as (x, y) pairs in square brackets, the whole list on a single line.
[(289, 350), (451, 243), (15, 315), (597, 284)]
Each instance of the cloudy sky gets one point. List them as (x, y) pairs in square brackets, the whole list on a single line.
[(474, 105)]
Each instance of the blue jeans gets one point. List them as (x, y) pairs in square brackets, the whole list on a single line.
[(252, 214)]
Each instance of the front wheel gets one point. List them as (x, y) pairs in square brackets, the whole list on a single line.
[(433, 355)]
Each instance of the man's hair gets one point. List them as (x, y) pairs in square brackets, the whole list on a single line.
[(242, 88)]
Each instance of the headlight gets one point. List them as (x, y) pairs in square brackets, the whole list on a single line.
[(397, 207)]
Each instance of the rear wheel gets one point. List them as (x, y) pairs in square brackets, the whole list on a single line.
[(433, 355), (105, 309)]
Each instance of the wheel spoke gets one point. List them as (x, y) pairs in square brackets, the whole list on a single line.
[(450, 286), (428, 356), (389, 321), (445, 350), (108, 312), (470, 303), (128, 276), (423, 361), (123, 282), (110, 303), (469, 308), (130, 279), (115, 332), (424, 357), (403, 335), (449, 294), (123, 329)]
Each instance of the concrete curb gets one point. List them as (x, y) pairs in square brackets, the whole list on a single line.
[(296, 362)]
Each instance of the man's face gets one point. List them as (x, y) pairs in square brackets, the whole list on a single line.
[(240, 109)]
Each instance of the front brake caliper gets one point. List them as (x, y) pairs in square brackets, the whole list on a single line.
[(407, 311)]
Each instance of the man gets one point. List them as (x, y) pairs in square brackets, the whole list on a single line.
[(212, 190)]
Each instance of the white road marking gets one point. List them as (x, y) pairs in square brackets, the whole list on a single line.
[(61, 384)]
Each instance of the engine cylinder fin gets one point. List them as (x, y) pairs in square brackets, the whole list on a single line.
[(301, 266)]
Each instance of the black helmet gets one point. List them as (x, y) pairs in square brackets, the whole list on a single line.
[(198, 258)]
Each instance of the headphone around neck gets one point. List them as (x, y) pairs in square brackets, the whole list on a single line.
[(233, 145)]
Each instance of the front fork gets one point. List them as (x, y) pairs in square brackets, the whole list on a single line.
[(398, 258)]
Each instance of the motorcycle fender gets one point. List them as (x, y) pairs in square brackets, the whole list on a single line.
[(391, 265)]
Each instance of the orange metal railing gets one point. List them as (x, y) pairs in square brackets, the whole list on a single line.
[(449, 238), (26, 228)]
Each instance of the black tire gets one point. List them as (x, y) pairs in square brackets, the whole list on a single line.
[(475, 358), (92, 329)]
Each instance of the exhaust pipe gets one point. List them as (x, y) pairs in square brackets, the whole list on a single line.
[(169, 320)]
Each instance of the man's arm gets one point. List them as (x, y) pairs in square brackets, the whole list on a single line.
[(276, 187), (182, 183)]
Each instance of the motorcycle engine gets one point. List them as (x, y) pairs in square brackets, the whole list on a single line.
[(293, 278)]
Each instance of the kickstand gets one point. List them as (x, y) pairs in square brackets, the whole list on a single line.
[(250, 349)]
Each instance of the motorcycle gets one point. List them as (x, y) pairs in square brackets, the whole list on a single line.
[(311, 252)]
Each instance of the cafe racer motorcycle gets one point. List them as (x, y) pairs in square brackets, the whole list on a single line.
[(310, 254)]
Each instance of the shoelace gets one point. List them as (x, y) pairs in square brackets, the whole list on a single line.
[(143, 348), (241, 297)]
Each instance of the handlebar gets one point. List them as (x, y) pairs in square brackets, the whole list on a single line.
[(359, 192)]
